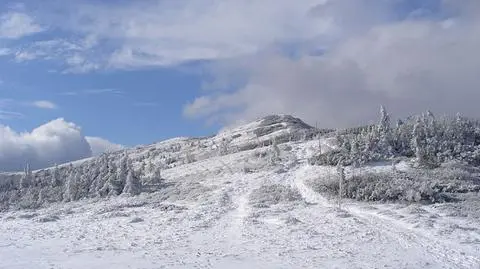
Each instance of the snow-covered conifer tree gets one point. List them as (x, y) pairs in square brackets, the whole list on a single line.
[(275, 152), (56, 181), (26, 179), (112, 186), (417, 143), (157, 175), (223, 147), (71, 186), (341, 181), (384, 124), (385, 134), (122, 170), (133, 186)]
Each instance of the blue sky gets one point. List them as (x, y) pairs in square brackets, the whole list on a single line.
[(136, 72), (131, 107)]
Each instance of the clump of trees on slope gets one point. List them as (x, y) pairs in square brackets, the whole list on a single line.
[(430, 140), (446, 151), (101, 177)]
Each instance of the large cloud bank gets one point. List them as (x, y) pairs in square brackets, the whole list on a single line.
[(427, 60), (57, 141)]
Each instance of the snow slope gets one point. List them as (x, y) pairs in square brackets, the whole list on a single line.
[(241, 210)]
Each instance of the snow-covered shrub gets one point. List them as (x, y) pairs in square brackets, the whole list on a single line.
[(436, 185), (268, 195), (183, 191), (51, 218), (223, 148), (260, 154), (136, 220), (189, 158), (327, 184)]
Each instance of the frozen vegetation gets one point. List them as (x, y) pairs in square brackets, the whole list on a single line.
[(274, 193)]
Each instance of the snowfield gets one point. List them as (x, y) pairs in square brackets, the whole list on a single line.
[(242, 210)]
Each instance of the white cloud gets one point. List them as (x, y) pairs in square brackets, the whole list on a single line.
[(368, 55), (57, 141), (409, 66), (14, 25), (111, 91), (44, 104), (140, 34), (104, 91), (22, 56), (100, 145), (162, 33)]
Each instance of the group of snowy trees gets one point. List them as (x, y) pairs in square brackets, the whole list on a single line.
[(430, 140), (105, 176)]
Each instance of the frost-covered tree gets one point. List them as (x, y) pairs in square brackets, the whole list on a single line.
[(274, 152), (157, 175), (384, 125), (417, 142), (341, 181), (112, 186), (71, 186), (189, 157), (56, 180), (122, 169), (430, 140), (223, 147), (103, 175), (26, 179), (384, 134), (133, 185), (83, 181)]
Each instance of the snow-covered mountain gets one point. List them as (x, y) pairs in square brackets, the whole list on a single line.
[(253, 196)]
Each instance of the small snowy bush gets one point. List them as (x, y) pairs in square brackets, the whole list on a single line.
[(268, 195)]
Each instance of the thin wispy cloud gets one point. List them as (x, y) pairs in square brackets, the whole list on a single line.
[(94, 92), (104, 91), (15, 25), (44, 104), (5, 110), (10, 115), (9, 108)]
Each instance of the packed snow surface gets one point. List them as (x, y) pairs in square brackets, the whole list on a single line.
[(242, 210)]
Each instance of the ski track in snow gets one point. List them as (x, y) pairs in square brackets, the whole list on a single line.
[(221, 228)]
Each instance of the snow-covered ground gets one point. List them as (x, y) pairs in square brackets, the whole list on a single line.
[(242, 211)]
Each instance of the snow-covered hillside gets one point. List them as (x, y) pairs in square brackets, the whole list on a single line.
[(245, 198)]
